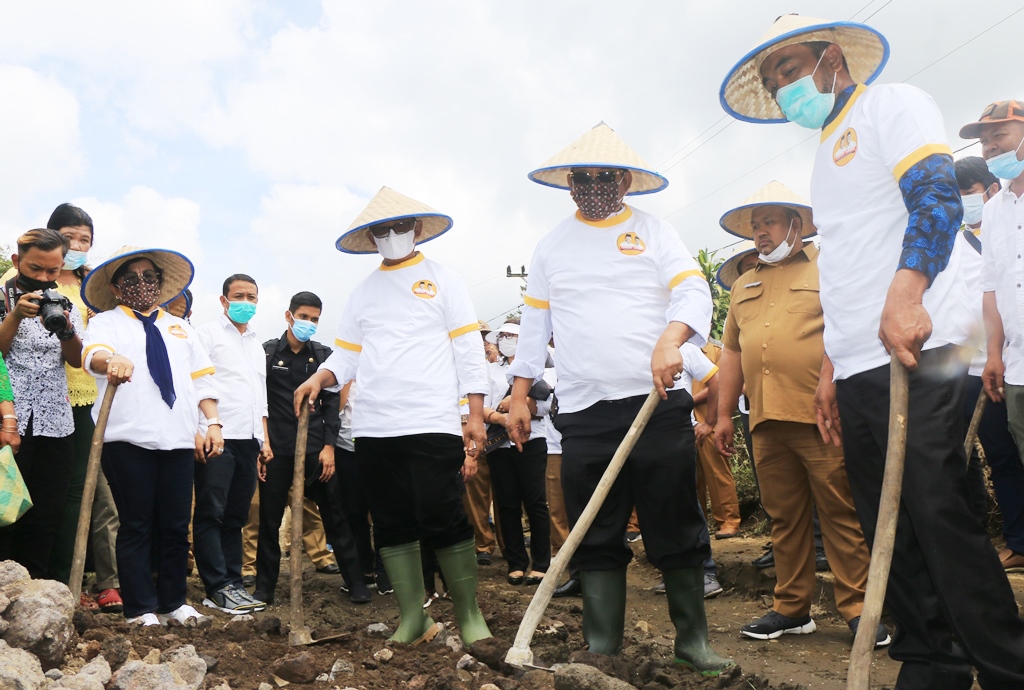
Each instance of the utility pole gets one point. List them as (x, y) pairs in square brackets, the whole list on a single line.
[(522, 272)]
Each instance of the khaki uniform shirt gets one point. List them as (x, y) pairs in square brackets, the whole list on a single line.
[(775, 322)]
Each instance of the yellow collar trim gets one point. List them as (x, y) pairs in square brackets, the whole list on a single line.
[(131, 313), (609, 222), (405, 264), (834, 125)]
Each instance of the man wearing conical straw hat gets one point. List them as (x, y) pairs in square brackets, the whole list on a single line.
[(610, 263), (773, 345), (887, 207), (409, 334)]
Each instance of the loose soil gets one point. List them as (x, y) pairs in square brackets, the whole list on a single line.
[(246, 654)]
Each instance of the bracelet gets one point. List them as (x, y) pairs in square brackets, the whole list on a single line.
[(11, 416)]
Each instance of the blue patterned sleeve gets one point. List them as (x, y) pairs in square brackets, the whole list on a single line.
[(932, 198)]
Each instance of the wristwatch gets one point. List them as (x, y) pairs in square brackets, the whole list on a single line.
[(214, 421)]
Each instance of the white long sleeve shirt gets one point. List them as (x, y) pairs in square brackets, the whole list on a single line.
[(607, 290), (241, 377), (1003, 273), (409, 334)]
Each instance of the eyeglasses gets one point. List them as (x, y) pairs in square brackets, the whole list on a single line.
[(581, 177), (400, 227), (149, 276)]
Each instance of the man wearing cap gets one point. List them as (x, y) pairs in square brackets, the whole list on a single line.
[(887, 208), (1001, 131), (409, 334), (773, 346), (586, 273)]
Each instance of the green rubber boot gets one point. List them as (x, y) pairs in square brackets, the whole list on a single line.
[(604, 609), (405, 570), (458, 565), (685, 591)]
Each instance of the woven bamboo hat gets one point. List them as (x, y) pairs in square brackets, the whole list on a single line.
[(737, 221), (386, 205), (177, 273), (745, 98), (600, 147), (729, 271)]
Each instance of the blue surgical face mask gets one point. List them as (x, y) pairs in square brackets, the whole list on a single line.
[(973, 206), (75, 259), (241, 312), (1005, 166), (802, 103), (303, 330)]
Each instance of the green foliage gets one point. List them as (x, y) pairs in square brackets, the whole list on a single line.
[(5, 258), (709, 265)]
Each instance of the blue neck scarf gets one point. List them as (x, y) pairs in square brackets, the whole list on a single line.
[(156, 357)]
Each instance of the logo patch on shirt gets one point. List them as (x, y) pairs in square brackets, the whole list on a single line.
[(178, 332), (629, 243), (845, 148), (424, 289)]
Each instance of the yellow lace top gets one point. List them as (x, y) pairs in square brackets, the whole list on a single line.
[(81, 386)]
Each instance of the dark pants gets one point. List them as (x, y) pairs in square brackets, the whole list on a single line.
[(414, 488), (46, 466), (517, 480), (152, 490), (274, 498), (659, 478), (64, 539), (356, 509), (946, 581), (224, 489), (1004, 463)]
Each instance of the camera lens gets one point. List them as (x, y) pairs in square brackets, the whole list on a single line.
[(52, 315)]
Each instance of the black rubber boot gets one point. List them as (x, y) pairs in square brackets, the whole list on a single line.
[(604, 609), (406, 572), (458, 570), (685, 591)]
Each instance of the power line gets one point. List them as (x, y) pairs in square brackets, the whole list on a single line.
[(876, 12), (970, 40), (696, 148), (870, 3), (683, 147)]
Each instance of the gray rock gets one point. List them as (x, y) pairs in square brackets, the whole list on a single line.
[(211, 663), (489, 686), (11, 572), (323, 678), (341, 666), (377, 628), (115, 650), (296, 668), (186, 664), (468, 662), (266, 686), (222, 686), (54, 674), (19, 670), (583, 677), (244, 618), (138, 675), (39, 618), (4, 603), (383, 655)]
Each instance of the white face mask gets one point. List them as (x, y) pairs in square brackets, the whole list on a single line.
[(507, 346), (780, 252), (396, 246), (974, 204)]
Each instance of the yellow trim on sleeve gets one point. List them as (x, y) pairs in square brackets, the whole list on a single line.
[(917, 156), (536, 303), (834, 125), (345, 345), (608, 222), (672, 284), (463, 401), (202, 372), (707, 378), (468, 328), (95, 346)]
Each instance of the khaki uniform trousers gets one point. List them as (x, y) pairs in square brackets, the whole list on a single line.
[(794, 466), (314, 540), (477, 502), (714, 480), (556, 503)]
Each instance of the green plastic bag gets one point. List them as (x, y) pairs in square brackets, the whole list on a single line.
[(14, 498)]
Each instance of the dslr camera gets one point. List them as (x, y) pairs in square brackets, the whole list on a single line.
[(51, 310)]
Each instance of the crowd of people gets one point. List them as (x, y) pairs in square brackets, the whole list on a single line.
[(453, 421)]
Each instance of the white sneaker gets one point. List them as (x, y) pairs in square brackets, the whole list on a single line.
[(181, 614), (145, 620)]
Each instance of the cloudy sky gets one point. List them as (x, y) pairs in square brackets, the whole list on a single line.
[(248, 134)]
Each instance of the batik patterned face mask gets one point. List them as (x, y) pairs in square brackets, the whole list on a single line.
[(597, 200), (141, 296)]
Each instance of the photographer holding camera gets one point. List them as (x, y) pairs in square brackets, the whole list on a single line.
[(38, 334)]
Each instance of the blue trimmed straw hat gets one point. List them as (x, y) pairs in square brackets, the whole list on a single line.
[(744, 97), (729, 271), (737, 221), (387, 204), (176, 269), (600, 147)]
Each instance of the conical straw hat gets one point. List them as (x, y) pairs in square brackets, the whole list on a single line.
[(177, 273), (600, 147), (729, 271), (737, 221), (388, 204), (744, 97)]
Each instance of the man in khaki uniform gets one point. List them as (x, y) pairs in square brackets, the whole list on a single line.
[(773, 344)]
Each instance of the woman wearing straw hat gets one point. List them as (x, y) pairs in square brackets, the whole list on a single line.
[(409, 334), (887, 207), (164, 377), (611, 263)]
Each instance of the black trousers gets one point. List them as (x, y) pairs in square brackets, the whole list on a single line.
[(46, 465), (659, 478), (356, 509), (224, 489), (414, 488), (518, 482), (152, 490), (274, 498), (946, 581)]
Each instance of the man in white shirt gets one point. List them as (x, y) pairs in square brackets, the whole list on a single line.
[(409, 334), (225, 485), (611, 263)]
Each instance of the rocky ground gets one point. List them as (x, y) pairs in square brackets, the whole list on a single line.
[(243, 653)]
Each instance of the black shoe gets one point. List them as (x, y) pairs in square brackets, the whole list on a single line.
[(267, 599), (383, 583), (821, 560), (774, 624), (882, 638), (358, 593), (633, 537), (248, 580), (483, 558), (572, 588), (516, 579), (765, 560), (533, 580), (330, 569)]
